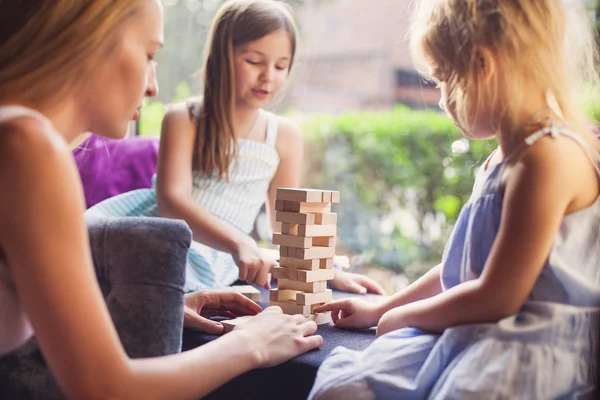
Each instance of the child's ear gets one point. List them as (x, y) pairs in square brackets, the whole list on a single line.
[(486, 63)]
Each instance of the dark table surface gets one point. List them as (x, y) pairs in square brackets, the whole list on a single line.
[(292, 379)]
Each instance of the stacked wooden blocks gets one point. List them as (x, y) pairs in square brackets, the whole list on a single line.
[(307, 248)]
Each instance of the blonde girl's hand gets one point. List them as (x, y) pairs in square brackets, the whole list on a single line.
[(392, 320), (353, 313), (201, 305), (255, 266), (278, 337), (355, 283)]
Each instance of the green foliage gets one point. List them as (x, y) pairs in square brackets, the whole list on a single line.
[(403, 176)]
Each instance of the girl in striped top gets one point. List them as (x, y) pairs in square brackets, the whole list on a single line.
[(223, 157)]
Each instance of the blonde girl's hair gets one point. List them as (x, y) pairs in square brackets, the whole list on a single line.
[(49, 48), (545, 42), (237, 22)]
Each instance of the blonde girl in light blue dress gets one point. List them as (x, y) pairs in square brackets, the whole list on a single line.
[(513, 311), (223, 157)]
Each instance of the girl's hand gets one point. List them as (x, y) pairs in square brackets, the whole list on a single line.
[(199, 306), (355, 283), (278, 337), (254, 264), (391, 321), (353, 313)]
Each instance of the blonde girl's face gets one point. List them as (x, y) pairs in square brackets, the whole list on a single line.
[(115, 93), (478, 123), (261, 69)]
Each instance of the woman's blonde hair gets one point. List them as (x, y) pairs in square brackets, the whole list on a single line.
[(237, 22), (547, 43), (49, 48)]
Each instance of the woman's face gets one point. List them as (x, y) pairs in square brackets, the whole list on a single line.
[(128, 74)]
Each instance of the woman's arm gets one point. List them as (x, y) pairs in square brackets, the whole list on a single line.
[(44, 238), (550, 180)]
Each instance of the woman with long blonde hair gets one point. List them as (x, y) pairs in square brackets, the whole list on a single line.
[(68, 67)]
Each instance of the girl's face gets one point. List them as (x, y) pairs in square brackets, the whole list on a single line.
[(261, 69), (114, 96), (478, 124)]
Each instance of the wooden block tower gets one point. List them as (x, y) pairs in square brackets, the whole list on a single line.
[(307, 248)]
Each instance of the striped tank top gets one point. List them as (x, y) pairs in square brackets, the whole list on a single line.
[(236, 202)]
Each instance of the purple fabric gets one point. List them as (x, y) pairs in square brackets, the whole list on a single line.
[(111, 167)]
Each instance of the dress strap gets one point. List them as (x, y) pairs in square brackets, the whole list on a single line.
[(555, 131), (12, 112), (272, 127)]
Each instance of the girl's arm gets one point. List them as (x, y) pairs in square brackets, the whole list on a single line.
[(356, 313), (44, 239), (290, 148), (174, 197), (553, 178), (174, 184)]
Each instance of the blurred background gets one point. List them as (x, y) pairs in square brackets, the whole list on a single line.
[(372, 127)]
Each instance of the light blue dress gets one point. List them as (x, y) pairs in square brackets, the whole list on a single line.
[(547, 350), (236, 202)]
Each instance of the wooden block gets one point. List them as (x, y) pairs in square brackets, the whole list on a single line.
[(280, 273), (306, 195), (324, 241), (313, 276), (306, 299), (302, 207), (320, 318), (317, 230), (230, 324), (326, 263), (315, 252), (290, 229), (295, 218), (322, 286), (293, 274), (283, 251), (247, 290), (290, 307), (327, 196), (280, 205), (299, 264), (335, 197), (311, 287), (283, 295), (326, 219), (292, 241)]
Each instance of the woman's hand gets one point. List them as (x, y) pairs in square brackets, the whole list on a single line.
[(278, 337), (353, 313), (355, 283), (202, 305), (255, 265)]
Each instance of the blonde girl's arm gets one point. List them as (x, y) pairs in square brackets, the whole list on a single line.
[(290, 148), (44, 239), (550, 180)]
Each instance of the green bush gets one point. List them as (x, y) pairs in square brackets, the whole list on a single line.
[(403, 175)]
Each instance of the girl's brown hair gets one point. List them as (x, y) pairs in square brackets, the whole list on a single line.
[(48, 48), (547, 43), (237, 22)]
